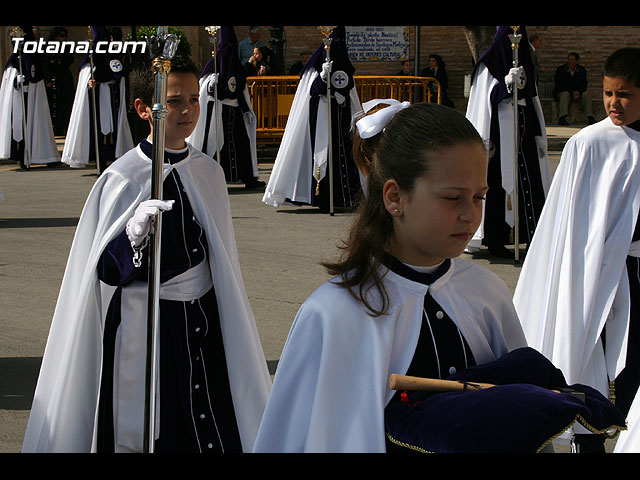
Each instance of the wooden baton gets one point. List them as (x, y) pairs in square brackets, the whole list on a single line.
[(407, 382)]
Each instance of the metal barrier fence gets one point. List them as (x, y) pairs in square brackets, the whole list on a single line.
[(271, 97)]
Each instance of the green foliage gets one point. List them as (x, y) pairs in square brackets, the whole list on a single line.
[(184, 47)]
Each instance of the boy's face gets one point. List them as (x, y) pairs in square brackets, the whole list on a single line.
[(621, 100), (183, 108)]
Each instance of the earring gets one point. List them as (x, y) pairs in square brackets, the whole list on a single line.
[(395, 210)]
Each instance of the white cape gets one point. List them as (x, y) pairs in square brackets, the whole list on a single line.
[(479, 113), (332, 382), (197, 137), (63, 414), (79, 133), (296, 164), (574, 277), (42, 143)]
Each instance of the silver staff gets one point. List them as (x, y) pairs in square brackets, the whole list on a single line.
[(19, 33), (93, 105), (163, 48), (515, 42), (213, 38), (326, 31)]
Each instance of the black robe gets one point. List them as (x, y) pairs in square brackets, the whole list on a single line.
[(346, 179), (531, 190), (235, 155), (197, 413)]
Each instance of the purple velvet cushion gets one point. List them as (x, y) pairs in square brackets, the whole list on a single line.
[(521, 413)]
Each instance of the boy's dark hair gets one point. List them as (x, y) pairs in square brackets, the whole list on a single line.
[(142, 80), (624, 63)]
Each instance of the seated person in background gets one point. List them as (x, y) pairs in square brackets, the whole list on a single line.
[(571, 86), (437, 70)]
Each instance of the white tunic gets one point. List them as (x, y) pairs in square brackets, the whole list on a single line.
[(574, 277), (64, 408), (332, 382)]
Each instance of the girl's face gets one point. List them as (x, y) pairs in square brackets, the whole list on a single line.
[(438, 218)]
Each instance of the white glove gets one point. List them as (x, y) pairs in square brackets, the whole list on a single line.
[(512, 77), (20, 79), (213, 81), (141, 224), (339, 98), (326, 68)]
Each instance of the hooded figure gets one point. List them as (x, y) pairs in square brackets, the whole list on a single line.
[(227, 121), (302, 160), (491, 111), (114, 134), (24, 74)]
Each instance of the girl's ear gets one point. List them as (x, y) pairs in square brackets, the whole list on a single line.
[(144, 112), (392, 197)]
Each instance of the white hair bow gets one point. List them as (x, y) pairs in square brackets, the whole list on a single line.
[(373, 124)]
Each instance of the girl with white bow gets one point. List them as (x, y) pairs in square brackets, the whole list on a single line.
[(400, 301)]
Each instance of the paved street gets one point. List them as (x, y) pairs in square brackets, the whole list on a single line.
[(280, 250)]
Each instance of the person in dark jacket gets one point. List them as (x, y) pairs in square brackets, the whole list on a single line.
[(571, 86), (437, 70)]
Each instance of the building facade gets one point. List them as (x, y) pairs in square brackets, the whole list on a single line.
[(593, 43)]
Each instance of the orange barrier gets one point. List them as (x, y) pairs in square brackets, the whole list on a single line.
[(271, 97)]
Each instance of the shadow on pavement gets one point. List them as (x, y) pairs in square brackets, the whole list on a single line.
[(18, 378)]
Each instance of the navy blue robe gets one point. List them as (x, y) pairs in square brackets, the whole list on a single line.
[(441, 350), (499, 60), (235, 154), (628, 380), (104, 72), (346, 179), (197, 413)]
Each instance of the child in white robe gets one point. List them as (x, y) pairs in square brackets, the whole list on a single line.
[(577, 295), (426, 171), (213, 379)]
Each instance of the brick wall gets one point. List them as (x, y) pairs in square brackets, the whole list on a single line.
[(593, 43)]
